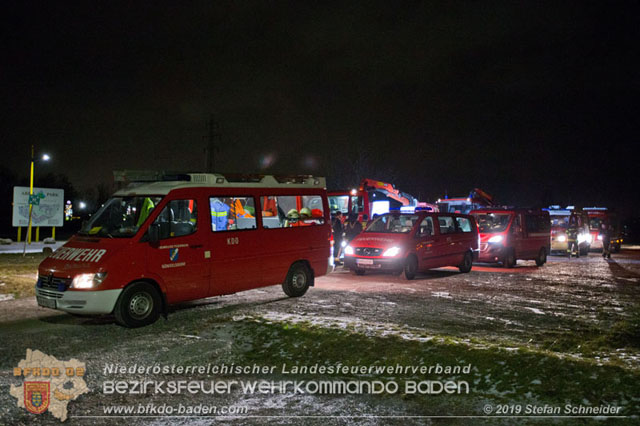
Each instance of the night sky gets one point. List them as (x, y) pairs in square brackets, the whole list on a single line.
[(531, 101)]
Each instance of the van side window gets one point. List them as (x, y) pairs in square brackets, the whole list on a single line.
[(464, 224), (537, 223), (286, 211), (177, 219), (447, 226), (232, 213), (426, 226)]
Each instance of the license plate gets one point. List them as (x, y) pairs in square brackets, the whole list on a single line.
[(364, 261), (47, 303)]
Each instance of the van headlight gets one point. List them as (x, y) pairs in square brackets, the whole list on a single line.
[(584, 238), (348, 250), (496, 239), (562, 238), (84, 281), (393, 251), (599, 237)]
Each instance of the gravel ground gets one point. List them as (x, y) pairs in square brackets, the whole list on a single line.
[(549, 308)]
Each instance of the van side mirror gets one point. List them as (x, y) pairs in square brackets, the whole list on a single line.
[(154, 233)]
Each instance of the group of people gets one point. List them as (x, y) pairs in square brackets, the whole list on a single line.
[(343, 232), (605, 231)]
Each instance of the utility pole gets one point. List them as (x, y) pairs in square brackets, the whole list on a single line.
[(212, 148)]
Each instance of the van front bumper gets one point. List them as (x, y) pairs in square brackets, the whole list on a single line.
[(79, 302), (490, 252), (379, 264)]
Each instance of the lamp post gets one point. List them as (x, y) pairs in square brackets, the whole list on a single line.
[(45, 157)]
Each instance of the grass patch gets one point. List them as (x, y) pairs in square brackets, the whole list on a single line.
[(202, 336), (18, 273)]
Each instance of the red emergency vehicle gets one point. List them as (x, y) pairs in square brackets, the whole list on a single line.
[(413, 242), (371, 198), (507, 235), (477, 199), (599, 216), (165, 242), (563, 222)]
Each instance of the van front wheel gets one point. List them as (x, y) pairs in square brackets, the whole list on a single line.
[(138, 305), (509, 260), (297, 282), (410, 267)]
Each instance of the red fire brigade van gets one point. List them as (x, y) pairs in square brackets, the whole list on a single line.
[(204, 235), (563, 221), (507, 235), (410, 243), (599, 216)]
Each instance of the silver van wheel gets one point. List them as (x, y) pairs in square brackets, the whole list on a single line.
[(141, 305), (138, 305)]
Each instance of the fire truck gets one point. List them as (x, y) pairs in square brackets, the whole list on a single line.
[(373, 198), (562, 221), (599, 216), (477, 199)]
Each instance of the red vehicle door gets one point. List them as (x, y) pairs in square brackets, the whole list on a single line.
[(431, 247), (450, 240), (178, 258), (516, 233), (234, 242)]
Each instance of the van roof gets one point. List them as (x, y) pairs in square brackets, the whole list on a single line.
[(214, 180), (509, 210)]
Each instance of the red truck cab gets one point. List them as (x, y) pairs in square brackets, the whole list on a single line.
[(507, 235), (414, 242), (372, 198)]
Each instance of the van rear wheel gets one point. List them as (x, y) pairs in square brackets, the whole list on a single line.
[(138, 305), (542, 257), (298, 279), (467, 263)]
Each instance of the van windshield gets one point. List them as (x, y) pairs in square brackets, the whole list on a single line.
[(595, 223), (560, 221), (394, 224), (490, 223), (120, 217)]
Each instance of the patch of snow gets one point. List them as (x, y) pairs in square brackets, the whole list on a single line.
[(535, 310), (442, 294)]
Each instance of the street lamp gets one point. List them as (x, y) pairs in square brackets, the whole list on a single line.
[(45, 157)]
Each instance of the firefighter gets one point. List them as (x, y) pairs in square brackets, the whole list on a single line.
[(352, 228), (305, 213), (338, 229), (292, 218), (572, 239), (605, 233), (147, 208)]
